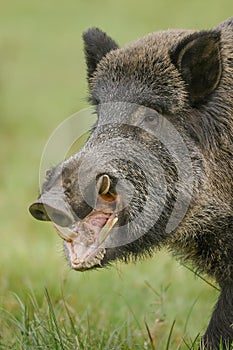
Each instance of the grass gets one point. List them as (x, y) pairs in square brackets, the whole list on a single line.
[(152, 305), (58, 326), (63, 329), (117, 308)]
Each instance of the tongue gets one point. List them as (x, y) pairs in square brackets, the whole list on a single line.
[(97, 221)]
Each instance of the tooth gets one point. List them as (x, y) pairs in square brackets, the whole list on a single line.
[(91, 263), (65, 233), (95, 261), (106, 229), (99, 256), (102, 254), (104, 184), (75, 261)]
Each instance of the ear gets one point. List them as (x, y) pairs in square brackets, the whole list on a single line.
[(96, 45), (198, 59)]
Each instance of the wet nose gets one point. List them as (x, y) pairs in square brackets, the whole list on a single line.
[(55, 212)]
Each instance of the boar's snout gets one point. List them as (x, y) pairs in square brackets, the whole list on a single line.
[(50, 208), (84, 235)]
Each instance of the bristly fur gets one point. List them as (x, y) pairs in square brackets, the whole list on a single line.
[(186, 76), (97, 45), (165, 71)]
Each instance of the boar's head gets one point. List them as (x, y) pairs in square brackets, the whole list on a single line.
[(140, 176)]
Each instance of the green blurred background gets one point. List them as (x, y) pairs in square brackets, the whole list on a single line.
[(42, 82)]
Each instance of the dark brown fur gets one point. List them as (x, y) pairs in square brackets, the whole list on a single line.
[(187, 76)]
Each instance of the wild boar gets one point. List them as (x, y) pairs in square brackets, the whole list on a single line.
[(157, 169)]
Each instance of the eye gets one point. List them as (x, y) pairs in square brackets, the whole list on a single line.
[(152, 118)]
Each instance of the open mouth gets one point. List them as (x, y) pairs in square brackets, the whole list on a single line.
[(85, 239)]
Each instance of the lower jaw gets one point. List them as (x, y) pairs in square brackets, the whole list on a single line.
[(92, 260)]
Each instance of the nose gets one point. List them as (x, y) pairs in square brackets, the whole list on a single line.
[(52, 210)]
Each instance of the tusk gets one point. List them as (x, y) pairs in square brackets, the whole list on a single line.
[(65, 233), (104, 184), (106, 229)]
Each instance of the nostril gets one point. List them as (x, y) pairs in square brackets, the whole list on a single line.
[(39, 214), (38, 211), (44, 212)]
